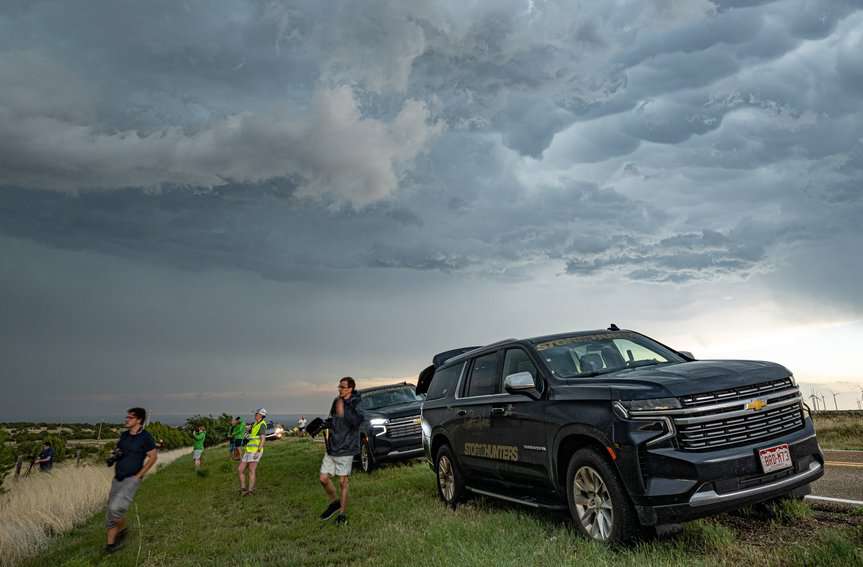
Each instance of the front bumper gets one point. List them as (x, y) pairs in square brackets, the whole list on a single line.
[(392, 449), (669, 485)]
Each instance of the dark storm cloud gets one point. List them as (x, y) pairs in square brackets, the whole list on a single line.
[(667, 141)]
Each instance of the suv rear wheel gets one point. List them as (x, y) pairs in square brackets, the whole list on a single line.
[(367, 460), (597, 500), (450, 486)]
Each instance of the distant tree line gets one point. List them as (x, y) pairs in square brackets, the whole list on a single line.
[(20, 439), (218, 428)]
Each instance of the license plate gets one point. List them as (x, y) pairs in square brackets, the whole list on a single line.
[(775, 458)]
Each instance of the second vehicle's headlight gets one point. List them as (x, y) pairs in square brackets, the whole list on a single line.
[(380, 425)]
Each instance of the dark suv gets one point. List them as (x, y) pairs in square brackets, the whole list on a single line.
[(623, 431), (391, 424)]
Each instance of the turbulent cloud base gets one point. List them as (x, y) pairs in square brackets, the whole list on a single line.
[(658, 147)]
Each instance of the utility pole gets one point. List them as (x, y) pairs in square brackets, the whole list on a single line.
[(835, 405)]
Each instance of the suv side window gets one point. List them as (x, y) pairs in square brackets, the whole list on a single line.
[(444, 381), (484, 379), (517, 360)]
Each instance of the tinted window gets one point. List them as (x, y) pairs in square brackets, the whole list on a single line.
[(390, 397), (588, 355), (443, 382), (483, 376), (518, 361)]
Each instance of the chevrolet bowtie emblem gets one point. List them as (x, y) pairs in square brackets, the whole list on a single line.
[(756, 405)]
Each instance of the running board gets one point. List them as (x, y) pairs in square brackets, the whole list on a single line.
[(526, 500)]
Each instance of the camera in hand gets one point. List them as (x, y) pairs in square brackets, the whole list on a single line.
[(116, 455), (317, 425)]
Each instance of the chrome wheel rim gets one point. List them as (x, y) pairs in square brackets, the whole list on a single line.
[(593, 503), (364, 457), (446, 478)]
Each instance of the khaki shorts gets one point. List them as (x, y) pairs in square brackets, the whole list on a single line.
[(252, 457), (337, 466)]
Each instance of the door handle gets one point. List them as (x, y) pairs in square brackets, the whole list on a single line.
[(462, 412), (498, 411)]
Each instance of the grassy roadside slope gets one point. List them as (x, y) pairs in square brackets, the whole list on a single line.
[(396, 520), (840, 430)]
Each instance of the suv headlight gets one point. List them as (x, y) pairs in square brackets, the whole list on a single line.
[(657, 404), (380, 424), (650, 413)]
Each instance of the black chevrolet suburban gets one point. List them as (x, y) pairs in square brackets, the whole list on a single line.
[(623, 431), (391, 424)]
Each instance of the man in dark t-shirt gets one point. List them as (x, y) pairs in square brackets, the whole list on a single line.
[(136, 453), (46, 458)]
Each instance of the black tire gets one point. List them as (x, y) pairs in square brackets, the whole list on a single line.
[(600, 508), (450, 484), (367, 457)]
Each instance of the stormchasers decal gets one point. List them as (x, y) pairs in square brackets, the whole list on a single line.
[(496, 452), (581, 339)]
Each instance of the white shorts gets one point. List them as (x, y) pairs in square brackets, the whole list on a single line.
[(196, 454), (252, 457), (337, 466)]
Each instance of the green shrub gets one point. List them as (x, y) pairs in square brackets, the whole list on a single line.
[(168, 437), (217, 428), (7, 456)]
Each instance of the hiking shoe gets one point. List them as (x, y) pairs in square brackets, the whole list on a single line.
[(331, 510), (342, 519), (112, 547)]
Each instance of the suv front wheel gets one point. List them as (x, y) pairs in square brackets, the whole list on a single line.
[(367, 460), (597, 500), (450, 486)]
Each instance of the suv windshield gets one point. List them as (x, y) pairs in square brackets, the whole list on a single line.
[(589, 355), (389, 397)]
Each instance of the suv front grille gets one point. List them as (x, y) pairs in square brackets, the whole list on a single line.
[(404, 426), (736, 393), (726, 419)]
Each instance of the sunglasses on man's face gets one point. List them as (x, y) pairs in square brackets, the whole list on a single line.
[(343, 387)]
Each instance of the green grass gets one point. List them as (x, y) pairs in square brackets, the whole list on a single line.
[(840, 430), (395, 519)]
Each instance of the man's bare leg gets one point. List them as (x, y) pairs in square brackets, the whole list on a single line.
[(329, 488), (252, 477), (240, 470), (112, 532), (343, 497)]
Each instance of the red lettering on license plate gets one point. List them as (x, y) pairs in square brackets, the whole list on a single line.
[(775, 458)]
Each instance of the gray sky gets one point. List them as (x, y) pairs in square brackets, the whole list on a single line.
[(210, 206)]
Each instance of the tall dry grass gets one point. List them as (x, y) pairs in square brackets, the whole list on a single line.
[(43, 505)]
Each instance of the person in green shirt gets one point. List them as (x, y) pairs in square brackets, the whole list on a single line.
[(198, 448), (238, 433)]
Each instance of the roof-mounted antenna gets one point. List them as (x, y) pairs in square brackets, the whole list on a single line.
[(613, 327)]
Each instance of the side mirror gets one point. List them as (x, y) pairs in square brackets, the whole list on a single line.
[(521, 383), (686, 354)]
